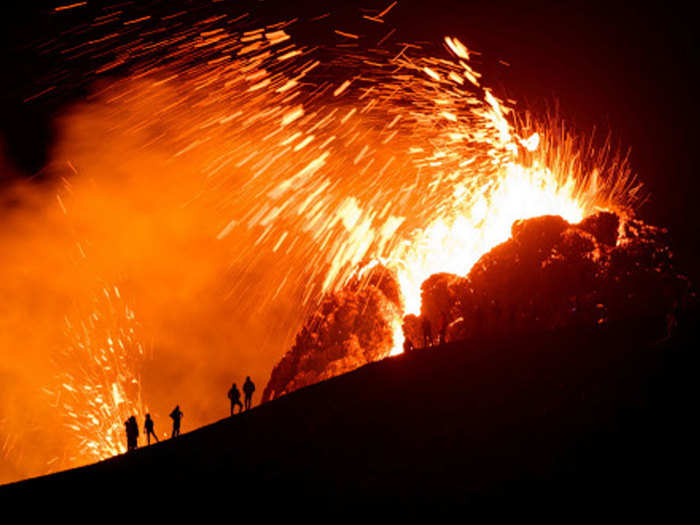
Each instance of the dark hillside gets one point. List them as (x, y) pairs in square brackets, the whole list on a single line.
[(587, 417)]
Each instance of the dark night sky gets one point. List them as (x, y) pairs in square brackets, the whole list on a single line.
[(620, 67)]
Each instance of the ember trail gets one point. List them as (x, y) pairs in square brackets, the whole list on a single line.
[(377, 186)]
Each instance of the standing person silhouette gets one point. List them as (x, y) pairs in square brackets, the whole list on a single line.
[(176, 415), (235, 396), (248, 389), (427, 333), (443, 328), (148, 427), (129, 432), (132, 433)]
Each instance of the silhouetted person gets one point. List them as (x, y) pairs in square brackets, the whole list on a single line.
[(235, 396), (148, 427), (132, 433), (127, 431), (672, 321), (427, 333), (176, 415), (135, 430), (407, 345), (443, 328), (248, 389)]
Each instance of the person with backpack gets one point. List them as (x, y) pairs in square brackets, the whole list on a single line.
[(234, 396), (176, 416), (132, 433)]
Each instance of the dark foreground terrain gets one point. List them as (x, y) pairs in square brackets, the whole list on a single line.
[(578, 418)]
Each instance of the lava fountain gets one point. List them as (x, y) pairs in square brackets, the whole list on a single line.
[(322, 187), (98, 379)]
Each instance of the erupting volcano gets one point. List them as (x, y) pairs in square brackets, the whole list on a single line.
[(342, 193), (548, 275)]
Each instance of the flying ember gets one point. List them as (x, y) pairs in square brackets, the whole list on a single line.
[(221, 173), (98, 380)]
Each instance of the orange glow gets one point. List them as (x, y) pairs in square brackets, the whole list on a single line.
[(98, 383), (227, 188)]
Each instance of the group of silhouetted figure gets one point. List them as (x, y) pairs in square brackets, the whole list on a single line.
[(234, 395), (428, 339), (507, 323), (132, 427)]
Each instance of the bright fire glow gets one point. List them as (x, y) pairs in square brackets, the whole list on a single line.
[(403, 158), (98, 384), (455, 243)]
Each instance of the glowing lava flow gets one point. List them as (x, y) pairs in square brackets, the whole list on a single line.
[(483, 174), (411, 161), (401, 157)]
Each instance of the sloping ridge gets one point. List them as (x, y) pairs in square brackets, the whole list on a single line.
[(584, 413)]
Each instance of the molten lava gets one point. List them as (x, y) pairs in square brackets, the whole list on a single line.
[(239, 187)]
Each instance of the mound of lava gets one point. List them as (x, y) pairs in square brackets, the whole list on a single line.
[(548, 274), (351, 327)]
